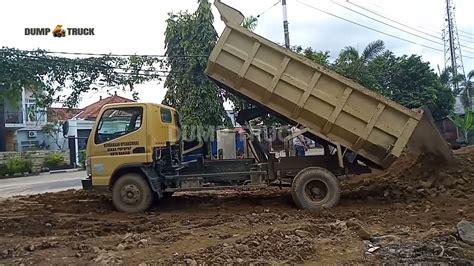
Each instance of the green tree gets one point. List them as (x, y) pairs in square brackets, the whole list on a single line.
[(196, 97), (413, 84), (319, 57), (406, 79), (354, 65), (465, 123), (54, 79), (250, 23), (53, 130), (467, 87)]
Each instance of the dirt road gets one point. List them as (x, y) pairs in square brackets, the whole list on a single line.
[(408, 215)]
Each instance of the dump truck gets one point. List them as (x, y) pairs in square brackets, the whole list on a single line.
[(135, 150)]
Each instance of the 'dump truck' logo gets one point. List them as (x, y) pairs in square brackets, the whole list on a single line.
[(59, 31)]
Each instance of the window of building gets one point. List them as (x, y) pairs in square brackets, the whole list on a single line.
[(33, 112)]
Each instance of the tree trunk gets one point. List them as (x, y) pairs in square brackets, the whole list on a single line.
[(3, 131)]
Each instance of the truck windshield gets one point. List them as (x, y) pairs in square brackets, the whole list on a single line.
[(117, 122)]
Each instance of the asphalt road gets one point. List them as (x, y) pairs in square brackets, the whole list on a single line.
[(40, 184)]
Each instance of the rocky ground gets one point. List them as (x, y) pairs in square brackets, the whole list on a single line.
[(409, 214)]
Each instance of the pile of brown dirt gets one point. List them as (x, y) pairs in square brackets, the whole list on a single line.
[(412, 177)]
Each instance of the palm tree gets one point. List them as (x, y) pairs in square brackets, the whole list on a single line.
[(350, 54), (354, 65), (467, 86), (250, 23)]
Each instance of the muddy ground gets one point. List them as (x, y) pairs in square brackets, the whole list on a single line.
[(405, 215)]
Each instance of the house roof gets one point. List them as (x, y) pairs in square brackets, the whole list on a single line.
[(91, 112), (61, 113)]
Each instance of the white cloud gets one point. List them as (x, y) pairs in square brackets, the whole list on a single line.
[(128, 27)]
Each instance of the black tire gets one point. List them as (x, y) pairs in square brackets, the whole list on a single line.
[(315, 188), (131, 193)]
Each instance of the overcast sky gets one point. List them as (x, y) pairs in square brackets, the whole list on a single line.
[(128, 27)]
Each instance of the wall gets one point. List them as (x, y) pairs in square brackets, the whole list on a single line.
[(37, 158), (41, 141)]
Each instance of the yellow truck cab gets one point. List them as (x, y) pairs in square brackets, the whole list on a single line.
[(123, 139)]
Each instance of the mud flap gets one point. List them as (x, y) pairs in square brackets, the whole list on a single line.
[(153, 180), (87, 184), (426, 138)]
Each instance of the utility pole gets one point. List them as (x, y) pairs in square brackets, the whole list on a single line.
[(452, 46), (285, 24), (451, 41)]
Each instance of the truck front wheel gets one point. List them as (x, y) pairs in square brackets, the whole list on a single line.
[(131, 193), (315, 188)]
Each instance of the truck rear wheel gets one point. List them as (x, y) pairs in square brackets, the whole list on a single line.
[(315, 188), (131, 193)]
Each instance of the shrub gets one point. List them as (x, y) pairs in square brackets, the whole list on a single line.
[(19, 164), (54, 159), (82, 158), (3, 169)]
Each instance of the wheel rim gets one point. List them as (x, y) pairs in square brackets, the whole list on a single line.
[(130, 194), (316, 191)]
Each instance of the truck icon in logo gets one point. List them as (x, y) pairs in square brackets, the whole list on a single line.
[(59, 31)]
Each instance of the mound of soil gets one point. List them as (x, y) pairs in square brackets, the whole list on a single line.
[(412, 177)]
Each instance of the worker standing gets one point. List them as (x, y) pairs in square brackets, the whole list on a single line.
[(299, 142)]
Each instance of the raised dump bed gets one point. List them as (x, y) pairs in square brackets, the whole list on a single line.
[(331, 106)]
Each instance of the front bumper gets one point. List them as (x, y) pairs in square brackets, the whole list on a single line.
[(87, 184)]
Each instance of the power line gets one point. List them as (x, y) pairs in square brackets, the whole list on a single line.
[(471, 39), (395, 27), (465, 32), (376, 30), (114, 55), (268, 9), (98, 66), (392, 20), (156, 73)]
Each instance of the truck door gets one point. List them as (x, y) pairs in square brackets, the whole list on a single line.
[(119, 139)]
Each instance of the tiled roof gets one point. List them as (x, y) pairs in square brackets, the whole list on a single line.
[(92, 111), (60, 113)]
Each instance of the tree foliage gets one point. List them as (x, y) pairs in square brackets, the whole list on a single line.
[(465, 123), (319, 57), (250, 23), (405, 79), (465, 88), (357, 66), (196, 97), (54, 79), (54, 130)]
